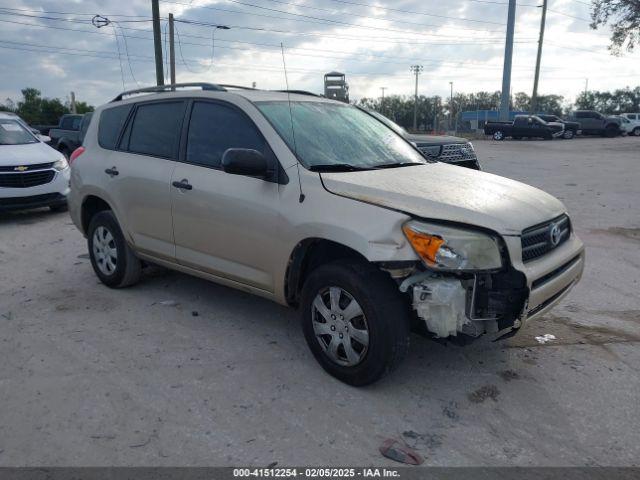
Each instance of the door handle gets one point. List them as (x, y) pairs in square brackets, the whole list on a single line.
[(113, 171), (183, 184)]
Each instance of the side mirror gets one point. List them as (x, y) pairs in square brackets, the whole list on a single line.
[(245, 161), (43, 138)]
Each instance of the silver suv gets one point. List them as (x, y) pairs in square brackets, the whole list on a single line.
[(315, 204)]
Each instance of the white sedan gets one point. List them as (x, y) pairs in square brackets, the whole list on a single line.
[(32, 174)]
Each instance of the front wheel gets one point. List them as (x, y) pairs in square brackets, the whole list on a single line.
[(498, 136), (636, 131), (568, 134), (355, 321), (112, 259), (611, 131)]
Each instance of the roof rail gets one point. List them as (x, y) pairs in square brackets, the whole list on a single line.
[(299, 92), (238, 87), (170, 88)]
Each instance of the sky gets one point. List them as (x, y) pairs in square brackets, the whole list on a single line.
[(52, 45)]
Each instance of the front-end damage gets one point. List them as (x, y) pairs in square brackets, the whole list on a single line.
[(464, 304)]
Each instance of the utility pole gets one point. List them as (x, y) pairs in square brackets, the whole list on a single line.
[(157, 42), (73, 102), (172, 51), (451, 107), (534, 96), (508, 58), (416, 69), (586, 86), (382, 101)]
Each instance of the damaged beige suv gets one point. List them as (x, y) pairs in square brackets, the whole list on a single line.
[(315, 204)]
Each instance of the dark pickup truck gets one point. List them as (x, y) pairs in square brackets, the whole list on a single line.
[(595, 123), (571, 129), (524, 126), (442, 148), (68, 135)]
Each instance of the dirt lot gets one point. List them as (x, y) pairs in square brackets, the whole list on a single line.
[(93, 376)]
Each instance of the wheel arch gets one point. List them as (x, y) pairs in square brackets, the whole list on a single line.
[(309, 254), (91, 205)]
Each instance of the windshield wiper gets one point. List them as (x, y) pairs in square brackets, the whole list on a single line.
[(397, 165), (337, 167)]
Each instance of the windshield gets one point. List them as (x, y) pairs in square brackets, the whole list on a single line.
[(340, 136), (389, 123), (13, 133)]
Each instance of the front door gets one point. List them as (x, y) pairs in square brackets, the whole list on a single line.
[(223, 224)]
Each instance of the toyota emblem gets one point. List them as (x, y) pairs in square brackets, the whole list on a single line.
[(555, 234)]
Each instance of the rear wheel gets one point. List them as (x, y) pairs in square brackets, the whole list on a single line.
[(112, 259), (355, 321), (611, 131), (499, 135), (65, 151)]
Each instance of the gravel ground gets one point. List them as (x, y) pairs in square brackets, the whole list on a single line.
[(93, 376)]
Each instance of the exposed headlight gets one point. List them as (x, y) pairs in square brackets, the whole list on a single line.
[(61, 164), (445, 248)]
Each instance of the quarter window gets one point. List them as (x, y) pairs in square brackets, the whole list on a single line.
[(214, 128), (111, 122), (156, 129)]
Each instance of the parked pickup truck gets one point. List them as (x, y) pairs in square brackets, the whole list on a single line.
[(442, 148), (571, 129), (68, 135), (524, 126), (594, 123)]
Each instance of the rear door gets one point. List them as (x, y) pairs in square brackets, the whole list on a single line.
[(223, 224), (140, 175)]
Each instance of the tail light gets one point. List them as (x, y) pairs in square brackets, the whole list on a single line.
[(76, 153)]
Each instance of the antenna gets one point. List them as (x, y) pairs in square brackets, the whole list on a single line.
[(293, 131)]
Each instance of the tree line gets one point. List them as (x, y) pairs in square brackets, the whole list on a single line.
[(436, 112), (36, 110)]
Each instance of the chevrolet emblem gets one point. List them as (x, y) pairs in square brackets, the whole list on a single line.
[(21, 168)]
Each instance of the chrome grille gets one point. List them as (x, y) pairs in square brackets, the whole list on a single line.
[(545, 237), (457, 152)]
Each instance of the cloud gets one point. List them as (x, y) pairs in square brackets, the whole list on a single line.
[(459, 40)]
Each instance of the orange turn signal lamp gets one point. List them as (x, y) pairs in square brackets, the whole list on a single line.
[(424, 244)]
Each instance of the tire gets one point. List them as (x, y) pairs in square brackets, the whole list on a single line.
[(611, 131), (123, 270), (568, 134), (498, 136), (636, 131), (383, 313), (66, 152)]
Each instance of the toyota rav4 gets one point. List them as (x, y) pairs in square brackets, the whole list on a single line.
[(317, 205)]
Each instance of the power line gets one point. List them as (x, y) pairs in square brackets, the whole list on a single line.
[(304, 18), (370, 17)]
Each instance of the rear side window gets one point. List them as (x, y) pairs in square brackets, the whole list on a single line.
[(214, 128), (111, 122), (156, 129)]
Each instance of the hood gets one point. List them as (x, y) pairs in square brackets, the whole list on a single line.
[(444, 192), (556, 125), (614, 120), (28, 154), (427, 140)]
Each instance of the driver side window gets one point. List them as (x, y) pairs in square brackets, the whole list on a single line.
[(214, 128)]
